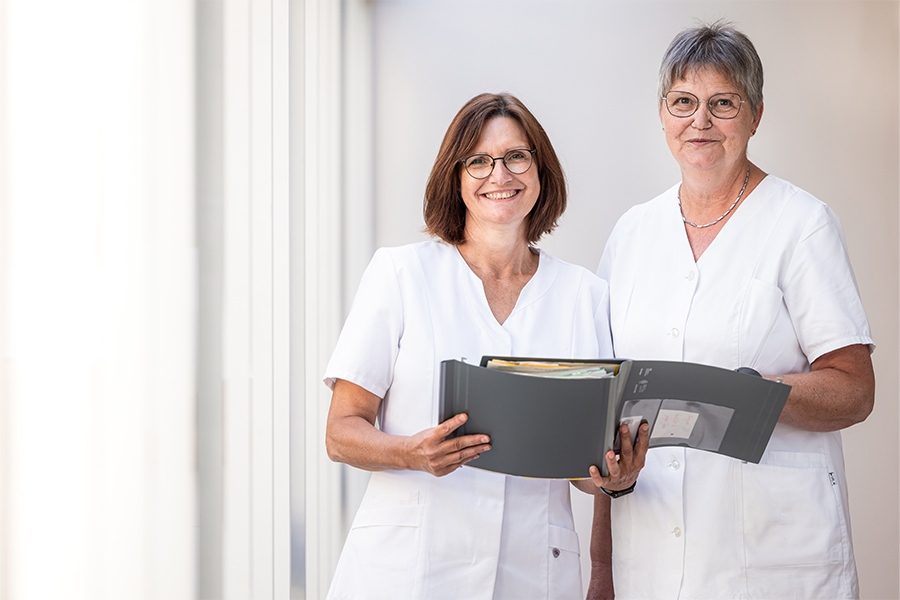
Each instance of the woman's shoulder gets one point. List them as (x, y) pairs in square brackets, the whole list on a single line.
[(570, 272), (424, 251), (653, 213), (657, 205), (779, 188), (416, 263), (797, 205)]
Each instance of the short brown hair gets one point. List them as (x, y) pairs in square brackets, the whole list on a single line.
[(445, 212)]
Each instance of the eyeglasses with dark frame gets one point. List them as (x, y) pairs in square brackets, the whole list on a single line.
[(685, 104), (516, 161)]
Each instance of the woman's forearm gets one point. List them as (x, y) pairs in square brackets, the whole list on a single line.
[(838, 392), (354, 441), (601, 585)]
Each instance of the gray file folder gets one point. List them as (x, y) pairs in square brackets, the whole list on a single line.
[(557, 428)]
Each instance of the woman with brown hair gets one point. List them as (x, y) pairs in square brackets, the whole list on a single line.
[(427, 528)]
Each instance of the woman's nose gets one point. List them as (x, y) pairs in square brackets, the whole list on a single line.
[(702, 118), (500, 174)]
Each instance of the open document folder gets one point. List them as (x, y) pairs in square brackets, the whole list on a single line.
[(555, 418)]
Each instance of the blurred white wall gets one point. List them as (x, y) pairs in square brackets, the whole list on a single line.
[(268, 162), (165, 287), (587, 70), (97, 300)]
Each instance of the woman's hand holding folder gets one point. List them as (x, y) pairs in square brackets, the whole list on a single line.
[(436, 453), (352, 438), (623, 468)]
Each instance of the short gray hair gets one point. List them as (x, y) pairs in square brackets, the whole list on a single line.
[(717, 46)]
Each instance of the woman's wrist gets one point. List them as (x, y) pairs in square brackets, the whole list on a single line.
[(618, 493)]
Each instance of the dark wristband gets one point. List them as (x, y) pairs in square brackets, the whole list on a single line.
[(617, 493)]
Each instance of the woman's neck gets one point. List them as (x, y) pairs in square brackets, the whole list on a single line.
[(704, 192), (498, 258)]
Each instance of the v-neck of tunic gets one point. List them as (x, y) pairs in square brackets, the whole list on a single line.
[(536, 287), (744, 211)]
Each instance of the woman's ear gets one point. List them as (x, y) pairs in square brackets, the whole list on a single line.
[(757, 118)]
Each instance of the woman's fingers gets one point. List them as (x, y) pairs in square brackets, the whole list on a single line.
[(624, 468), (460, 450), (445, 454), (450, 425)]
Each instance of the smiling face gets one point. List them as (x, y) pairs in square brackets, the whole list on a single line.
[(702, 141), (502, 200)]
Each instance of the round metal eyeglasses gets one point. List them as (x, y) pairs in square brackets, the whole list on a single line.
[(685, 104), (480, 166)]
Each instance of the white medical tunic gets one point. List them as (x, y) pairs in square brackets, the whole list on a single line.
[(774, 291), (471, 534)]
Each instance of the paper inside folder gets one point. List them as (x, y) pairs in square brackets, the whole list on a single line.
[(571, 370)]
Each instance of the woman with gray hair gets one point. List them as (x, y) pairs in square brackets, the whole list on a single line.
[(754, 272)]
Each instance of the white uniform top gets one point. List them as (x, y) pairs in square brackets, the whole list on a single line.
[(774, 291), (471, 534)]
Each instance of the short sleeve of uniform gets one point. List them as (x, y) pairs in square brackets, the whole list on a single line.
[(820, 289), (368, 345)]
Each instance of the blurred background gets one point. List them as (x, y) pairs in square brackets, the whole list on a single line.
[(190, 190)]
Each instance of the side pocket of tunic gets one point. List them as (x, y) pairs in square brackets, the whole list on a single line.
[(794, 536), (564, 565), (381, 554)]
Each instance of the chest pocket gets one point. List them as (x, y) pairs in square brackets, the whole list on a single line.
[(765, 330)]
